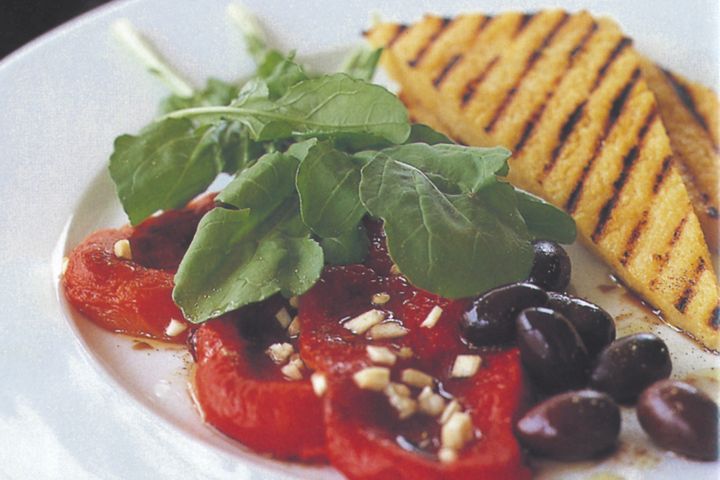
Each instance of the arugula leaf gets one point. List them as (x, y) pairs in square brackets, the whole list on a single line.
[(216, 92), (454, 168), (452, 244), (280, 72), (327, 183), (420, 133), (362, 63), (244, 256), (350, 247), (328, 106), (169, 163), (545, 221)]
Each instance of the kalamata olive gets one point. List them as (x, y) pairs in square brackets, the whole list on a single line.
[(551, 266), (629, 365), (491, 318), (571, 426), (551, 350), (594, 325), (681, 418)]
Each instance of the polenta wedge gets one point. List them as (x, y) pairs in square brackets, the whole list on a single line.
[(690, 114), (566, 92)]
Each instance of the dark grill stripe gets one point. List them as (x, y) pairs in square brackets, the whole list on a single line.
[(537, 114), (472, 85), (686, 98), (523, 23), (660, 177), (446, 70), (482, 25), (634, 237), (444, 23), (619, 183), (529, 64), (401, 28), (665, 258), (575, 116), (714, 320), (565, 132), (615, 112), (621, 45), (689, 292)]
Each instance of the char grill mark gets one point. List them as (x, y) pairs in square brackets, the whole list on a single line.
[(660, 177), (633, 239), (531, 61), (565, 132), (665, 257), (446, 70), (628, 164), (484, 23), (615, 112), (687, 99), (537, 114), (472, 85), (401, 28), (523, 23), (577, 113), (442, 26), (689, 292), (714, 320)]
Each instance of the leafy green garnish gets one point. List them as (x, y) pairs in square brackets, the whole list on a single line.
[(452, 227), (165, 166), (246, 255), (311, 156)]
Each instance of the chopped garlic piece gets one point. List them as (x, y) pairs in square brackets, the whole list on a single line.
[(293, 329), (451, 408), (416, 378), (447, 455), (279, 352), (387, 330), (121, 249), (432, 317), (430, 403), (294, 302), (457, 431), (283, 318), (292, 371), (363, 322), (380, 298), (381, 355), (399, 389), (319, 383), (465, 366), (64, 265), (372, 378), (175, 328), (405, 353), (405, 406)]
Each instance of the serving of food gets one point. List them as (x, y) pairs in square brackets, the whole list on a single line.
[(402, 285)]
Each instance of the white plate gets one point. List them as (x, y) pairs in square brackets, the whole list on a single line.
[(77, 402)]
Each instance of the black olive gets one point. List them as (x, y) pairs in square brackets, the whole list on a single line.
[(681, 418), (571, 426), (551, 350), (551, 266), (629, 365), (594, 325), (491, 318)]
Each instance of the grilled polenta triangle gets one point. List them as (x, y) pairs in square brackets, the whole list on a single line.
[(567, 94), (690, 114)]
